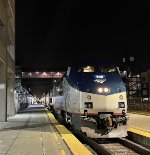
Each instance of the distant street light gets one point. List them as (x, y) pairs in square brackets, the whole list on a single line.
[(124, 60), (132, 59)]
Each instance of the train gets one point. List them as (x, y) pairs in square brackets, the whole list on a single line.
[(92, 99)]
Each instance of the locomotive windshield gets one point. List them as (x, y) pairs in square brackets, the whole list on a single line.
[(107, 69), (102, 69), (86, 69)]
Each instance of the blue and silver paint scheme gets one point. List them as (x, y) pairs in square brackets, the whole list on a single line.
[(87, 84), (84, 103)]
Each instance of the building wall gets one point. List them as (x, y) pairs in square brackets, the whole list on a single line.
[(7, 58), (3, 99), (145, 76)]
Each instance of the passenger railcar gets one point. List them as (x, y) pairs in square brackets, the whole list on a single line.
[(92, 98)]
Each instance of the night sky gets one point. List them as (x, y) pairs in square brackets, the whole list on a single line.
[(87, 30)]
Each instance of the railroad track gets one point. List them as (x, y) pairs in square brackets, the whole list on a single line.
[(118, 146)]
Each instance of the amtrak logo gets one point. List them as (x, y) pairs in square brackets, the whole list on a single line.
[(100, 80)]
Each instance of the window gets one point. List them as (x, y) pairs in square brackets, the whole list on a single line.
[(107, 69), (143, 79), (102, 69), (50, 100), (86, 69)]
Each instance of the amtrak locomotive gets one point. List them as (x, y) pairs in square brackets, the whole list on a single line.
[(92, 98)]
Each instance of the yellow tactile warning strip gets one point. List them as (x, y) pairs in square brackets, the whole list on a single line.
[(139, 131), (62, 152), (76, 147)]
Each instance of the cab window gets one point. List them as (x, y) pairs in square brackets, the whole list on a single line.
[(86, 69), (107, 69)]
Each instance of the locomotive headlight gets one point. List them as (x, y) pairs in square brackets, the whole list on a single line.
[(103, 90), (106, 90), (100, 90)]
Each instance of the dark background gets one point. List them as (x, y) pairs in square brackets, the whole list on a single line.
[(54, 34)]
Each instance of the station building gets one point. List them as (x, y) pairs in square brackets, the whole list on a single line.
[(7, 59)]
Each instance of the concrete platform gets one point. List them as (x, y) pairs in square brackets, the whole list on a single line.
[(140, 121), (32, 133), (139, 127), (35, 131)]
